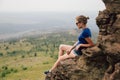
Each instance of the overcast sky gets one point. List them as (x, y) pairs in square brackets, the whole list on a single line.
[(50, 5)]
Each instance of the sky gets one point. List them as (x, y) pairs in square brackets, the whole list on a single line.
[(50, 5)]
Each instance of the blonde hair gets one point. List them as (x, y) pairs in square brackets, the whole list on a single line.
[(82, 19)]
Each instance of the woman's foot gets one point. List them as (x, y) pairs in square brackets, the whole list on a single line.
[(46, 72)]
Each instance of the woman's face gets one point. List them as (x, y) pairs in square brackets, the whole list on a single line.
[(79, 24)]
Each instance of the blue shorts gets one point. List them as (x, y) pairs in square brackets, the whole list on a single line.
[(77, 52)]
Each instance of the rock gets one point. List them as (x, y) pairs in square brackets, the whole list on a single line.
[(72, 69), (101, 62)]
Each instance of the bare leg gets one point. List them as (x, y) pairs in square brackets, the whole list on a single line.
[(63, 48), (63, 57)]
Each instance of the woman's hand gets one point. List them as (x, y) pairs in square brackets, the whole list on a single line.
[(68, 51)]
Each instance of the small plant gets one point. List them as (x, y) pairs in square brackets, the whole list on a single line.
[(22, 56), (24, 68), (12, 69), (45, 62), (3, 74), (55, 57), (6, 48), (35, 54), (15, 70), (1, 54), (4, 67)]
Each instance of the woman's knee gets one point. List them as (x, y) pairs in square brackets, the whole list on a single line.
[(61, 47)]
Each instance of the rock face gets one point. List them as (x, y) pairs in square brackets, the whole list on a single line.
[(101, 62)]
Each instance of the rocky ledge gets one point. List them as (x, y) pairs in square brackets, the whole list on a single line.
[(101, 62)]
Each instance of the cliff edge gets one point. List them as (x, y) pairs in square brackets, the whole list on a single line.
[(101, 62)]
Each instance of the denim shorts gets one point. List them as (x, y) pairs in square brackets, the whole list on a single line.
[(77, 52)]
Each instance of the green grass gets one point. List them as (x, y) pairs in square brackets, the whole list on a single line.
[(30, 68), (27, 59)]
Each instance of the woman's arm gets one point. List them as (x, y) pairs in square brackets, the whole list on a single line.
[(90, 43), (75, 44), (68, 52)]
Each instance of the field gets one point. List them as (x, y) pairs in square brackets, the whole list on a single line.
[(28, 58)]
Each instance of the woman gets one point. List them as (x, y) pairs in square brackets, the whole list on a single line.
[(84, 41)]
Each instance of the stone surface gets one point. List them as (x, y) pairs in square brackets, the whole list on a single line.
[(101, 62)]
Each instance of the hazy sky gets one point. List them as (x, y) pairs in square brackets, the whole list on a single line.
[(50, 5)]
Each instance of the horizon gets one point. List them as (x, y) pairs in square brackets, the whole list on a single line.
[(5, 17), (42, 20), (19, 24)]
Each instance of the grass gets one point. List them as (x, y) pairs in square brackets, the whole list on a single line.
[(30, 68), (27, 59)]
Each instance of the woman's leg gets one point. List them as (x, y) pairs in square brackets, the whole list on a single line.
[(63, 48), (63, 57)]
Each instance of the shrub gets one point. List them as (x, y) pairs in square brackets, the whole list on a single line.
[(1, 54), (45, 62), (24, 68), (4, 67), (22, 56), (3, 74), (6, 48), (35, 54), (12, 69), (12, 53), (55, 57), (15, 70)]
